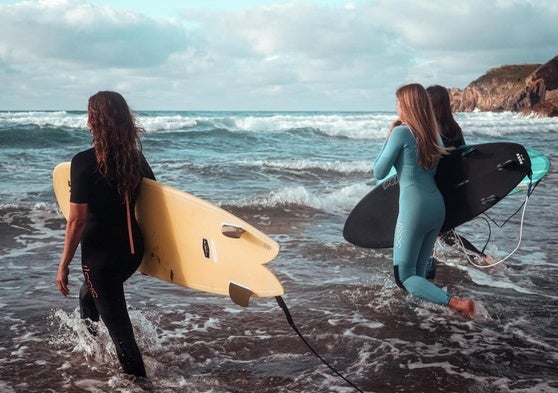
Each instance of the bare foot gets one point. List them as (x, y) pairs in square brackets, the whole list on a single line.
[(465, 307), (488, 259)]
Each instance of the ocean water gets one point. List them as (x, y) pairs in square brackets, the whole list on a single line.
[(296, 177)]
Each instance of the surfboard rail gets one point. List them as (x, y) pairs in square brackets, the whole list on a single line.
[(472, 179)]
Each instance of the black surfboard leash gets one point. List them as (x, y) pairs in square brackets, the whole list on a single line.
[(530, 190), (283, 305), (486, 217)]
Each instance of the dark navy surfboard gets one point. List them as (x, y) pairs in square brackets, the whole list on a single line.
[(472, 179)]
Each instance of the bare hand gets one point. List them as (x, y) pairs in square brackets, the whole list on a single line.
[(62, 280)]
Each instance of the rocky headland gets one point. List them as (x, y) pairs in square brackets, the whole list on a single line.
[(525, 88)]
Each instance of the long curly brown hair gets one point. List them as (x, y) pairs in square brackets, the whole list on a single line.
[(417, 113), (116, 139)]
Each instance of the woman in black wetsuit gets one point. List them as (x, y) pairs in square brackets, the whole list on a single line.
[(452, 137), (104, 187)]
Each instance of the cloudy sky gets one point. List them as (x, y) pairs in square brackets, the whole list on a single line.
[(259, 54)]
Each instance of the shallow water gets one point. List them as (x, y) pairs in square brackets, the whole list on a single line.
[(295, 176)]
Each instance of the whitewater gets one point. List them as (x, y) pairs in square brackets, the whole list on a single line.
[(295, 176)]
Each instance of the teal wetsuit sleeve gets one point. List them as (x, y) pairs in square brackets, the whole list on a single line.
[(389, 153)]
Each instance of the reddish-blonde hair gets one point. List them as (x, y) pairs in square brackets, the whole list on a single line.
[(116, 140), (416, 111)]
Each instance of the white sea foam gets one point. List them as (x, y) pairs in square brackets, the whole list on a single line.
[(347, 125), (339, 200), (6, 388), (306, 164), (166, 122), (498, 124), (308, 161), (36, 233), (359, 126), (372, 126), (44, 119)]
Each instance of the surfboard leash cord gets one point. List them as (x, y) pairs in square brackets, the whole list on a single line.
[(290, 320), (523, 207)]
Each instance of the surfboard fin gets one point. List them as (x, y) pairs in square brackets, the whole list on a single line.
[(232, 231), (239, 294), (491, 199), (507, 164)]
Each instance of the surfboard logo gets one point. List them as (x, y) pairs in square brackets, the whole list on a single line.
[(392, 181), (88, 281), (205, 248), (398, 235)]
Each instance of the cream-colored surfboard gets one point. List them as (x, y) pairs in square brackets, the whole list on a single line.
[(195, 244)]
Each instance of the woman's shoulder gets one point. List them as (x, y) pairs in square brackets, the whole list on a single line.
[(84, 157), (403, 132), (401, 128)]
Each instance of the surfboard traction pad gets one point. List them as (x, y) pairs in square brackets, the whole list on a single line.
[(472, 179)]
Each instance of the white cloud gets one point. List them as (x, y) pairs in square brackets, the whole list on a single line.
[(283, 56), (317, 51), (81, 33), (458, 41)]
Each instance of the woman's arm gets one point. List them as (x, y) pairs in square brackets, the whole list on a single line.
[(390, 151), (74, 231)]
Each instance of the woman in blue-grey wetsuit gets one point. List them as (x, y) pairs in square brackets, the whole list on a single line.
[(104, 187), (413, 148)]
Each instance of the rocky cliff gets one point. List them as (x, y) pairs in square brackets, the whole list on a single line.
[(527, 88)]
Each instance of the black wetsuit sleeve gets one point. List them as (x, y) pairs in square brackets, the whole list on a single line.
[(79, 179)]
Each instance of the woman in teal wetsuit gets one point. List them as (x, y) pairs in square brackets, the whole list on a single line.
[(413, 148)]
